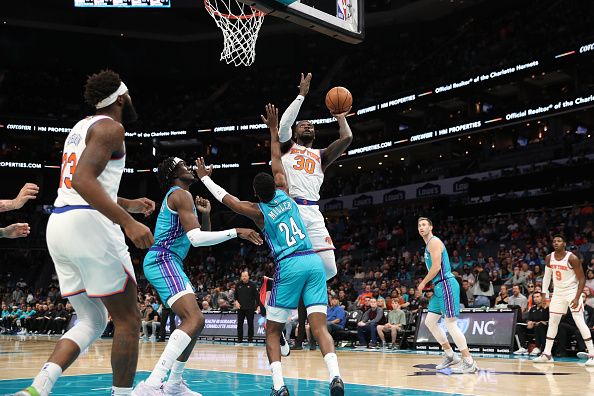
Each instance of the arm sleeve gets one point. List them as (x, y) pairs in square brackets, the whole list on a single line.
[(288, 119), (546, 280), (209, 238)]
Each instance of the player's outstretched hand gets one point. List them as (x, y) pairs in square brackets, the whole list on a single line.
[(304, 84), (343, 114), (17, 230), (250, 235), (201, 169), (271, 118), (202, 205), (29, 191), (139, 234), (142, 205)]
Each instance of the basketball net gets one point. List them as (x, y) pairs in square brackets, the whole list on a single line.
[(240, 24)]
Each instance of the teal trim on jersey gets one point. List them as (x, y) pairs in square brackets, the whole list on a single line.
[(284, 230), (169, 233), (446, 269)]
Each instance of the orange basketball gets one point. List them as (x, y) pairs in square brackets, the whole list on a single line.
[(339, 100)]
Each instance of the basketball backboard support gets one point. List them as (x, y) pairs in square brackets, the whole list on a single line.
[(340, 19)]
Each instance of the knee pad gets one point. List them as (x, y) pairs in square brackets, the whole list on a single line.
[(92, 319), (456, 333), (329, 261), (431, 321)]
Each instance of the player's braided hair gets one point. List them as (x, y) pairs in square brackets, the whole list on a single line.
[(100, 85), (165, 173)]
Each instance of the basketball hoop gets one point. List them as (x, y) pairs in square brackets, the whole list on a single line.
[(240, 24)]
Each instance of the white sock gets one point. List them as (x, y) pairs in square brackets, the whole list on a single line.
[(115, 391), (277, 375), (332, 364), (590, 346), (47, 377), (178, 341), (468, 359), (449, 352), (177, 370), (548, 347)]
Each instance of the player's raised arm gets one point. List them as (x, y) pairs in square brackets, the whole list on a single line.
[(435, 248), (106, 138), (278, 171), (339, 146), (245, 208), (285, 132)]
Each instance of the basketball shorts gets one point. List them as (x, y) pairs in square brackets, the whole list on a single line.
[(316, 227), (89, 253), (297, 276), (561, 300), (446, 299), (165, 271)]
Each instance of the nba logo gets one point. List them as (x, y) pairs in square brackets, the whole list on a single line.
[(341, 9)]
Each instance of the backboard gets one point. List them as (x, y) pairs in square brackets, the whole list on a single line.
[(341, 19)]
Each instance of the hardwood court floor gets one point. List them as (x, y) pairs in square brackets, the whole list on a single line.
[(217, 369)]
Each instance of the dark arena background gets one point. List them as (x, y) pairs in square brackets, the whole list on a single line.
[(476, 114)]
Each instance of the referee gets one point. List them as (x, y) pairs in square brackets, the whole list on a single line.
[(246, 301)]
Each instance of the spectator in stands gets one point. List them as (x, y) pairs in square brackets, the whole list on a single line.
[(502, 297), (60, 321), (365, 294), (336, 318), (590, 279), (467, 290), (537, 320), (206, 306), (291, 324), (517, 299), (483, 290), (151, 318), (343, 299), (367, 326), (589, 296), (518, 278), (395, 323)]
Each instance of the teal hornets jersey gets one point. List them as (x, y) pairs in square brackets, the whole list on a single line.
[(283, 228), (446, 268), (169, 233)]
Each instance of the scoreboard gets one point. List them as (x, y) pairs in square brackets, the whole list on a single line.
[(123, 3)]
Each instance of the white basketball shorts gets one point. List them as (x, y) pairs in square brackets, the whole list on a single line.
[(89, 252)]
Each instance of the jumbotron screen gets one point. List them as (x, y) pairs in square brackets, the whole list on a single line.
[(122, 3)]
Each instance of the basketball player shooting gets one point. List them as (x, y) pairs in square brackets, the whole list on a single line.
[(568, 283), (299, 271), (86, 242), (445, 301), (305, 167)]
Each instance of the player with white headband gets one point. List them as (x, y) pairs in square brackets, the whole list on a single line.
[(86, 242)]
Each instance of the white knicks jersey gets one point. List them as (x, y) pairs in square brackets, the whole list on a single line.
[(74, 146), (303, 167), (564, 278)]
